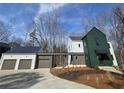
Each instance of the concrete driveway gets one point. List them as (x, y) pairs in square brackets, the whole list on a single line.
[(35, 79)]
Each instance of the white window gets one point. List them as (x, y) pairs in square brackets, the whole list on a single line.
[(79, 45)]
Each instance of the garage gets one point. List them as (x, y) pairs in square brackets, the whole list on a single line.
[(44, 61), (25, 64), (19, 58), (9, 64)]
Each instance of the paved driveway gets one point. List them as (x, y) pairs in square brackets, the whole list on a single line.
[(35, 79)]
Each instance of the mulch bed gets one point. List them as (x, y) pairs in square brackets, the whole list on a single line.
[(92, 77)]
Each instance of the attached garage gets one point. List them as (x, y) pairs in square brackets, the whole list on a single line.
[(9, 64), (19, 58), (44, 62)]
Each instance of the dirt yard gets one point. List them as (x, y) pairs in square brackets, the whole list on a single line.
[(92, 77)]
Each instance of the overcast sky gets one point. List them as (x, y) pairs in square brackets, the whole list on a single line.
[(19, 16)]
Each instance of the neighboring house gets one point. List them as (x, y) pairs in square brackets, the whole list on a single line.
[(75, 45), (3, 48), (19, 58), (96, 49)]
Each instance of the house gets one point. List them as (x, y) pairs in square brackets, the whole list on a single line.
[(3, 48), (19, 58), (96, 49), (91, 50), (75, 45)]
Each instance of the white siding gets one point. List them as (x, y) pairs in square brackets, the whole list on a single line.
[(73, 46), (18, 57), (113, 54)]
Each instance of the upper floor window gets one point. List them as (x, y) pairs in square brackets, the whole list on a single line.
[(79, 45), (97, 41)]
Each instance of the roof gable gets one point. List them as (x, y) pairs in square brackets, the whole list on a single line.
[(93, 29)]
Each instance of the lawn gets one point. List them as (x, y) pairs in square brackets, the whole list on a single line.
[(92, 77)]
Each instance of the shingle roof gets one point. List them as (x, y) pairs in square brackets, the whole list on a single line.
[(75, 37), (24, 50)]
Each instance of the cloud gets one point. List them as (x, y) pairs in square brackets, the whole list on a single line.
[(48, 7), (4, 19), (44, 8)]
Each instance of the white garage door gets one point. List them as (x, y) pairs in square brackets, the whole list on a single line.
[(25, 64), (8, 64)]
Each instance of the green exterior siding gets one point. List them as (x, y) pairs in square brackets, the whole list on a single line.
[(96, 49), (87, 59)]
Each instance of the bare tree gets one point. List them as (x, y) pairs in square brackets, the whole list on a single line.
[(99, 21), (49, 34), (47, 31), (4, 32), (117, 32), (29, 43), (16, 42)]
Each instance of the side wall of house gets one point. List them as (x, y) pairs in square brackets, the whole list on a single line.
[(18, 57), (86, 52)]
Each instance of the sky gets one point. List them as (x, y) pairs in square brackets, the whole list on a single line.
[(72, 16)]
